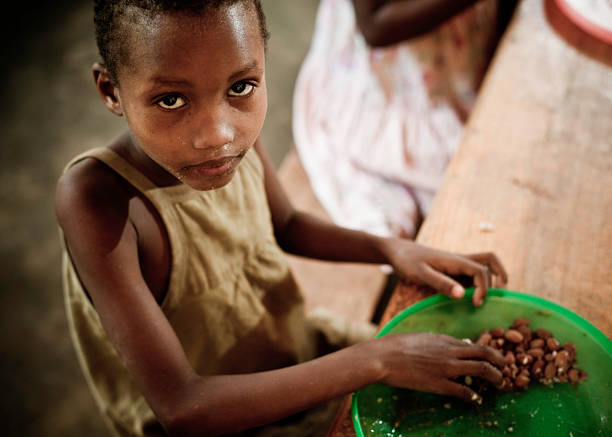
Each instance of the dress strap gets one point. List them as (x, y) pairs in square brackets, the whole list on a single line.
[(119, 165)]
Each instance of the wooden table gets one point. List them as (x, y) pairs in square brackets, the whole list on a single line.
[(535, 164)]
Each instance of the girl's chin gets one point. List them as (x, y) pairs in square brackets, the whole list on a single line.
[(209, 183), (210, 177)]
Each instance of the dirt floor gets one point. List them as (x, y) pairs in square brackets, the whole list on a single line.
[(50, 113)]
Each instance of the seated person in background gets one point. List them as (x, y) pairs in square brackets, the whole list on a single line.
[(380, 103)]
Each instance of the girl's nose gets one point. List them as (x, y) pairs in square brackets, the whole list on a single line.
[(214, 130)]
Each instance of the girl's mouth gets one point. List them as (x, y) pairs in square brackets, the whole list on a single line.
[(214, 167)]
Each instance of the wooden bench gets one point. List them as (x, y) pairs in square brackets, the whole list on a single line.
[(352, 290)]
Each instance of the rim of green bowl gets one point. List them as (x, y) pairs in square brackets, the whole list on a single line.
[(595, 333)]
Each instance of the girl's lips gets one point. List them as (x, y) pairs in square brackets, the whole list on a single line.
[(215, 167)]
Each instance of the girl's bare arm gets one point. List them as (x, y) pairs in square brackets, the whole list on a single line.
[(390, 21), (302, 234)]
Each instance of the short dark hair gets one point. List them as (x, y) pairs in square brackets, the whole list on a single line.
[(110, 36)]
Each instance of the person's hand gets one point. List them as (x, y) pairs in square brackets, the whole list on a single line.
[(422, 265), (433, 363)]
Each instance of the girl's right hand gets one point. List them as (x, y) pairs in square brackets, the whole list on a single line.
[(433, 363)]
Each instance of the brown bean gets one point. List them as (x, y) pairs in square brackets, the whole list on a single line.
[(500, 342), (537, 367), (510, 358), (573, 375), (506, 371), (524, 359), (525, 331), (550, 370), (537, 343), (571, 349), (497, 332), (562, 359), (550, 356), (514, 368), (543, 333), (521, 381), (553, 344), (536, 353), (484, 338), (507, 384), (521, 321), (514, 336)]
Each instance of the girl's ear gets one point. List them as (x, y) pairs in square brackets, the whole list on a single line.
[(106, 89)]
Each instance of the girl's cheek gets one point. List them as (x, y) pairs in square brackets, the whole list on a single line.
[(155, 126), (261, 108)]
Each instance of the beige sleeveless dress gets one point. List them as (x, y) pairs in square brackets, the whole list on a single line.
[(231, 299)]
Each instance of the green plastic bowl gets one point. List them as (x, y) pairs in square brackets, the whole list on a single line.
[(557, 410)]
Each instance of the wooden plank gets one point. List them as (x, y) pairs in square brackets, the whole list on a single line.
[(536, 163)]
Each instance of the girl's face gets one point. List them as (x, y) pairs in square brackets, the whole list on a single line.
[(194, 92)]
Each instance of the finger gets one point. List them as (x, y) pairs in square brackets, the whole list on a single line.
[(482, 281), (492, 261), (442, 283), (454, 341), (460, 391), (482, 369), (479, 273), (483, 353)]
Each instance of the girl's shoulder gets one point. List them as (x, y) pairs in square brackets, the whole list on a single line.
[(92, 185), (99, 211), (92, 209)]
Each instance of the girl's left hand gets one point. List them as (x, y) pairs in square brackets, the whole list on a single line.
[(422, 265)]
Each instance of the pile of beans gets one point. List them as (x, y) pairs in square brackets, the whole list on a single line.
[(532, 356)]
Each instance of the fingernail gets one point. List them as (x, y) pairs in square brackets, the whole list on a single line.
[(458, 291)]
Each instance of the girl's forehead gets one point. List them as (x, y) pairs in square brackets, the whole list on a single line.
[(239, 18), (176, 37)]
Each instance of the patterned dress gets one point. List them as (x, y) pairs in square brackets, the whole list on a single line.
[(376, 127)]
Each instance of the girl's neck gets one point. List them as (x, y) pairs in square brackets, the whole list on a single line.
[(126, 146)]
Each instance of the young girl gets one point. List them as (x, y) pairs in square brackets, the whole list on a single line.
[(183, 311), (380, 102)]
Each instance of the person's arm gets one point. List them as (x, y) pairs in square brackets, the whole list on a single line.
[(391, 21), (302, 234), (92, 209)]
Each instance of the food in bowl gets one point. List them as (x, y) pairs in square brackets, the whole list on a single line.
[(532, 355)]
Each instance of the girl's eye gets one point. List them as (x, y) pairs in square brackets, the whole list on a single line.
[(171, 101), (241, 89)]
